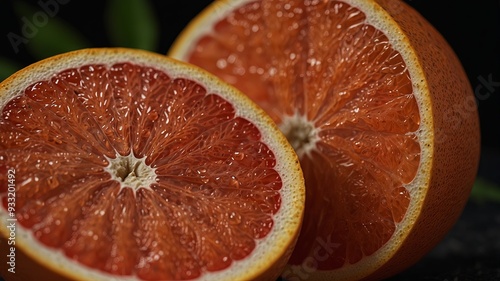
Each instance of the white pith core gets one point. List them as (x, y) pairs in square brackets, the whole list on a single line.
[(300, 132), (131, 172)]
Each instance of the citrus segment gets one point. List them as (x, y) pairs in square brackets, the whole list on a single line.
[(142, 167), (355, 87)]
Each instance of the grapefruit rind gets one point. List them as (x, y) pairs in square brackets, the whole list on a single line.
[(269, 251)]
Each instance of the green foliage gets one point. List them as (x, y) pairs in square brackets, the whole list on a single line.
[(132, 23), (484, 191), (54, 37), (7, 67)]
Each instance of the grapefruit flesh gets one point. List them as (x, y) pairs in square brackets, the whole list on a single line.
[(355, 87), (145, 168)]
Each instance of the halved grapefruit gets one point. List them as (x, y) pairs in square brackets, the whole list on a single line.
[(376, 105), (121, 164)]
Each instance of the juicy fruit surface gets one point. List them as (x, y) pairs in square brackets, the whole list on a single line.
[(212, 188), (319, 69)]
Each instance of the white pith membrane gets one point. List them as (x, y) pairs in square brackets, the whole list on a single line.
[(133, 173), (301, 133), (381, 20)]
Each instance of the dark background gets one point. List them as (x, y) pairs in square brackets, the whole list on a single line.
[(472, 249)]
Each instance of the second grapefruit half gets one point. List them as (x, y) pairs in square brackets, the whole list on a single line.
[(376, 105)]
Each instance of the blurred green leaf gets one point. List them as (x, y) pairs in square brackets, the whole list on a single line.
[(133, 24), (48, 34), (7, 68), (484, 190)]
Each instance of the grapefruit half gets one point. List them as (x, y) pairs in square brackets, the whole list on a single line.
[(121, 164), (377, 107)]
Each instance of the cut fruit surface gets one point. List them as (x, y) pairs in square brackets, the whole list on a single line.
[(377, 107), (130, 165)]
